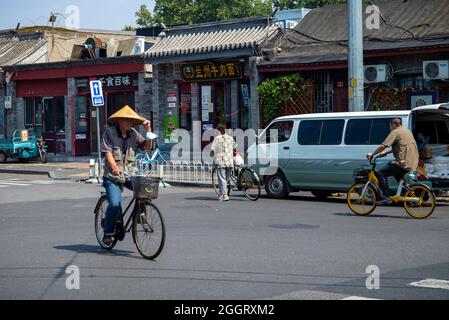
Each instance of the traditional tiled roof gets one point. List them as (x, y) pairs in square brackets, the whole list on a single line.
[(212, 37), (322, 36), (17, 50)]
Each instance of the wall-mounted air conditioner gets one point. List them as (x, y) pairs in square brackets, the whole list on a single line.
[(436, 70), (376, 73)]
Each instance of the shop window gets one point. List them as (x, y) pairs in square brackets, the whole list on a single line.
[(29, 112), (245, 105), (33, 115), (185, 107), (60, 114)]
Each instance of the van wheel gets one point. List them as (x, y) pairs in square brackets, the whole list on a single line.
[(276, 186), (322, 195)]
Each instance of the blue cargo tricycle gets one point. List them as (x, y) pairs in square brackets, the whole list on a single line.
[(24, 146)]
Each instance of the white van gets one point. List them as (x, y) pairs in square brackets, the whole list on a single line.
[(319, 152)]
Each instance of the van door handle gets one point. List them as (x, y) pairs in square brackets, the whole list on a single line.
[(286, 148)]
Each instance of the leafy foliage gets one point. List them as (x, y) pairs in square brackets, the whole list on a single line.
[(175, 12), (274, 93)]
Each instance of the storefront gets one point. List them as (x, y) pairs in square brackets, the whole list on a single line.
[(207, 74), (54, 99)]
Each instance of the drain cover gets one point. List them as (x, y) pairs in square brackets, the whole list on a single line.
[(293, 226)]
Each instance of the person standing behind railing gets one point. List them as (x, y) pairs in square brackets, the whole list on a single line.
[(222, 150)]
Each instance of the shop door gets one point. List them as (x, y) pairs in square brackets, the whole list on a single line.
[(82, 126), (54, 124)]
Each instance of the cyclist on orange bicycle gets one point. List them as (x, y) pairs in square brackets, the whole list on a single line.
[(405, 151)]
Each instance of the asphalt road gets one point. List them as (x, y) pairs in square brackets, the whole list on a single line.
[(298, 248)]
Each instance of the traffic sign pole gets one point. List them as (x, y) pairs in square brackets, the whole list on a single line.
[(100, 167), (96, 91)]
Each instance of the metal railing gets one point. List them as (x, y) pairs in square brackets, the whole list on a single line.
[(184, 172)]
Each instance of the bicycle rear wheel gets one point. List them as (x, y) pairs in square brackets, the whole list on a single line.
[(100, 214), (361, 205), (148, 230), (420, 202), (250, 184)]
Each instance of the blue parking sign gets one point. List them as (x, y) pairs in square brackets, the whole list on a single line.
[(96, 91)]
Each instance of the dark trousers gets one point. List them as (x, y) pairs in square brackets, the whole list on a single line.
[(390, 170)]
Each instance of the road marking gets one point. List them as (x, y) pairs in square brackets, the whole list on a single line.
[(355, 298), (14, 184), (432, 284)]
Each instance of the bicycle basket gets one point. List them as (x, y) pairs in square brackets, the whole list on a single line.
[(145, 188), (361, 175)]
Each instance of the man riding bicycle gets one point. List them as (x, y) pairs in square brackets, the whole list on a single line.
[(405, 150), (119, 145)]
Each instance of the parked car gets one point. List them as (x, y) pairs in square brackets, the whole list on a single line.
[(319, 152)]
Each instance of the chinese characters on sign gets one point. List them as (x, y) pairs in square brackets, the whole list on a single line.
[(111, 81), (116, 81), (211, 71)]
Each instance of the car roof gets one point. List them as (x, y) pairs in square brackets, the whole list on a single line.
[(348, 115)]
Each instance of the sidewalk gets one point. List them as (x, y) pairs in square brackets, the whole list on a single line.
[(54, 170)]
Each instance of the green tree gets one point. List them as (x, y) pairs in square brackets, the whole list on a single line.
[(311, 4), (174, 12)]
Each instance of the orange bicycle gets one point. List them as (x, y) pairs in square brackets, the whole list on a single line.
[(418, 198)]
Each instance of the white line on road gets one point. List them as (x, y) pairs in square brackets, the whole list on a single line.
[(355, 298), (14, 184), (432, 284)]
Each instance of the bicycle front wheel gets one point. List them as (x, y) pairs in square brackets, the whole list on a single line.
[(250, 184), (420, 202), (149, 230), (100, 214), (361, 203)]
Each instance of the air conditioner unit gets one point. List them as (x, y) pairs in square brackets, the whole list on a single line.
[(376, 73), (436, 70)]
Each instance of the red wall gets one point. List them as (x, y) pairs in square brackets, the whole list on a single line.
[(41, 88)]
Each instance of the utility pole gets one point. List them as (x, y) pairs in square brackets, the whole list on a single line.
[(355, 62)]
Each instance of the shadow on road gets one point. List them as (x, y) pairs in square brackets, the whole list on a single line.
[(85, 248)]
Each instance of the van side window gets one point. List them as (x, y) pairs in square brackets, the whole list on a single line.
[(321, 132), (358, 132), (332, 132), (367, 131), (379, 131), (284, 131), (309, 132)]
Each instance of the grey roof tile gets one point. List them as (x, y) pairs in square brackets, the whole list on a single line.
[(212, 37)]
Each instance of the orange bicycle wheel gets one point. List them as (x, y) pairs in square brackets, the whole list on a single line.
[(359, 203), (420, 202)]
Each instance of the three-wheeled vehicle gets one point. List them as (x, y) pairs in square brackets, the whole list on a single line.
[(24, 146)]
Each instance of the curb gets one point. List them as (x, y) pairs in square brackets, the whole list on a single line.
[(27, 172)]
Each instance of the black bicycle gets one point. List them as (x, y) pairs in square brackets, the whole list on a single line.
[(145, 220), (242, 178)]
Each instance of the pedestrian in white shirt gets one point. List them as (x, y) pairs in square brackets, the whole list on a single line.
[(222, 150)]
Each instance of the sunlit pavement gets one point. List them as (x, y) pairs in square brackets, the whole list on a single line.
[(299, 248)]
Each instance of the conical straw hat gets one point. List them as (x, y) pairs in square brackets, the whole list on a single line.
[(127, 113)]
